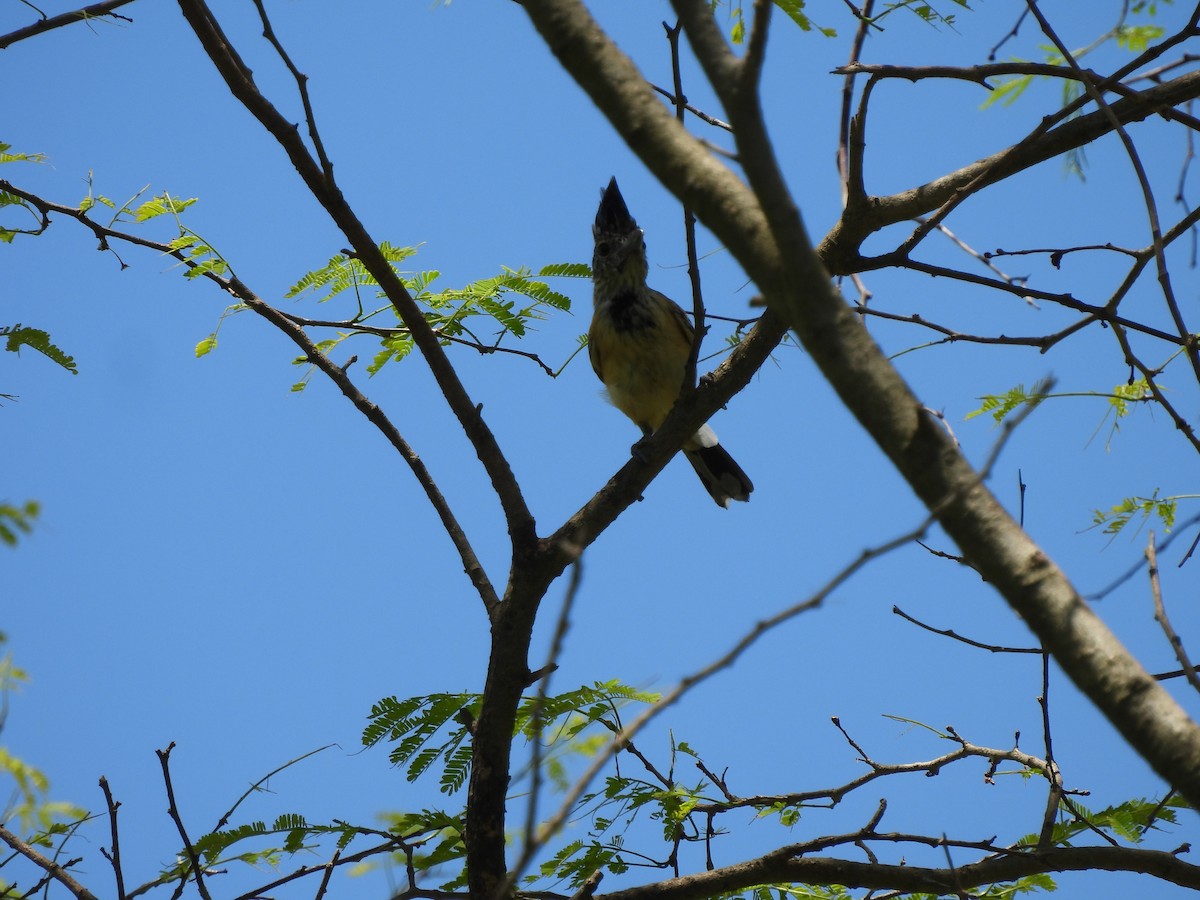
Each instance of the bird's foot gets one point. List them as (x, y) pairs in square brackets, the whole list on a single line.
[(636, 451)]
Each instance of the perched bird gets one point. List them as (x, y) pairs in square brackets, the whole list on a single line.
[(639, 343)]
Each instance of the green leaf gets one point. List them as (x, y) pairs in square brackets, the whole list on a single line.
[(793, 9), (1124, 394), (13, 520), (565, 270), (1000, 405), (396, 347), (206, 346), (6, 157), (161, 205), (1007, 92), (36, 339), (1115, 518), (343, 272), (1137, 38), (456, 770)]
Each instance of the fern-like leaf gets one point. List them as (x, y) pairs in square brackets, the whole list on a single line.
[(565, 270), (36, 339), (161, 206)]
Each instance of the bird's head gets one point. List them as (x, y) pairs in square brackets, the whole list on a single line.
[(620, 251)]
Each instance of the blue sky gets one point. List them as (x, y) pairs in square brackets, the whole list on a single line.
[(244, 570)]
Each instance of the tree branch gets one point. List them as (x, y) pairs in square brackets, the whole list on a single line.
[(57, 872), (907, 878), (94, 11), (284, 322), (839, 249), (796, 286), (321, 183)]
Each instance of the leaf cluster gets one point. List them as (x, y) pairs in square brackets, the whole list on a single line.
[(8, 199), (135, 210), (432, 733), (511, 300), (1116, 517), (18, 336), (434, 728), (1119, 399), (1000, 405), (297, 833), (1129, 821)]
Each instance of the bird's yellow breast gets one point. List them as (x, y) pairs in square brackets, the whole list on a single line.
[(642, 368)]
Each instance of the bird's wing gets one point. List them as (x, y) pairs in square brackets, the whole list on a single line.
[(594, 353), (678, 317)]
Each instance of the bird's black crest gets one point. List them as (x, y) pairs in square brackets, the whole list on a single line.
[(613, 215)]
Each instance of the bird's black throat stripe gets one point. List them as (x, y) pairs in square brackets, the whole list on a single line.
[(630, 313)]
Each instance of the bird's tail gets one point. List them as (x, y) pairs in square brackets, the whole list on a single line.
[(723, 478)]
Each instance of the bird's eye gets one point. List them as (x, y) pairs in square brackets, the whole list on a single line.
[(602, 248)]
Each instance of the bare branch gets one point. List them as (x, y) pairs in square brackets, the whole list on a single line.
[(951, 633), (234, 286), (115, 857), (53, 869), (164, 757), (87, 13), (320, 182), (1156, 232), (1160, 616)]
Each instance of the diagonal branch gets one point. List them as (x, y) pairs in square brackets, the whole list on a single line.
[(337, 374), (53, 869), (755, 227), (321, 183), (95, 11)]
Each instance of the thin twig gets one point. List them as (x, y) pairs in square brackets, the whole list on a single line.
[(302, 87), (115, 857), (1160, 616), (699, 329), (698, 113), (164, 757), (951, 633), (228, 814), (535, 723)]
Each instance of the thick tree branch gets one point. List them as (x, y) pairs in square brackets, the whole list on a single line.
[(777, 867), (795, 285)]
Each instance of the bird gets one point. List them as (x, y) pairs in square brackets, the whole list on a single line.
[(639, 343)]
